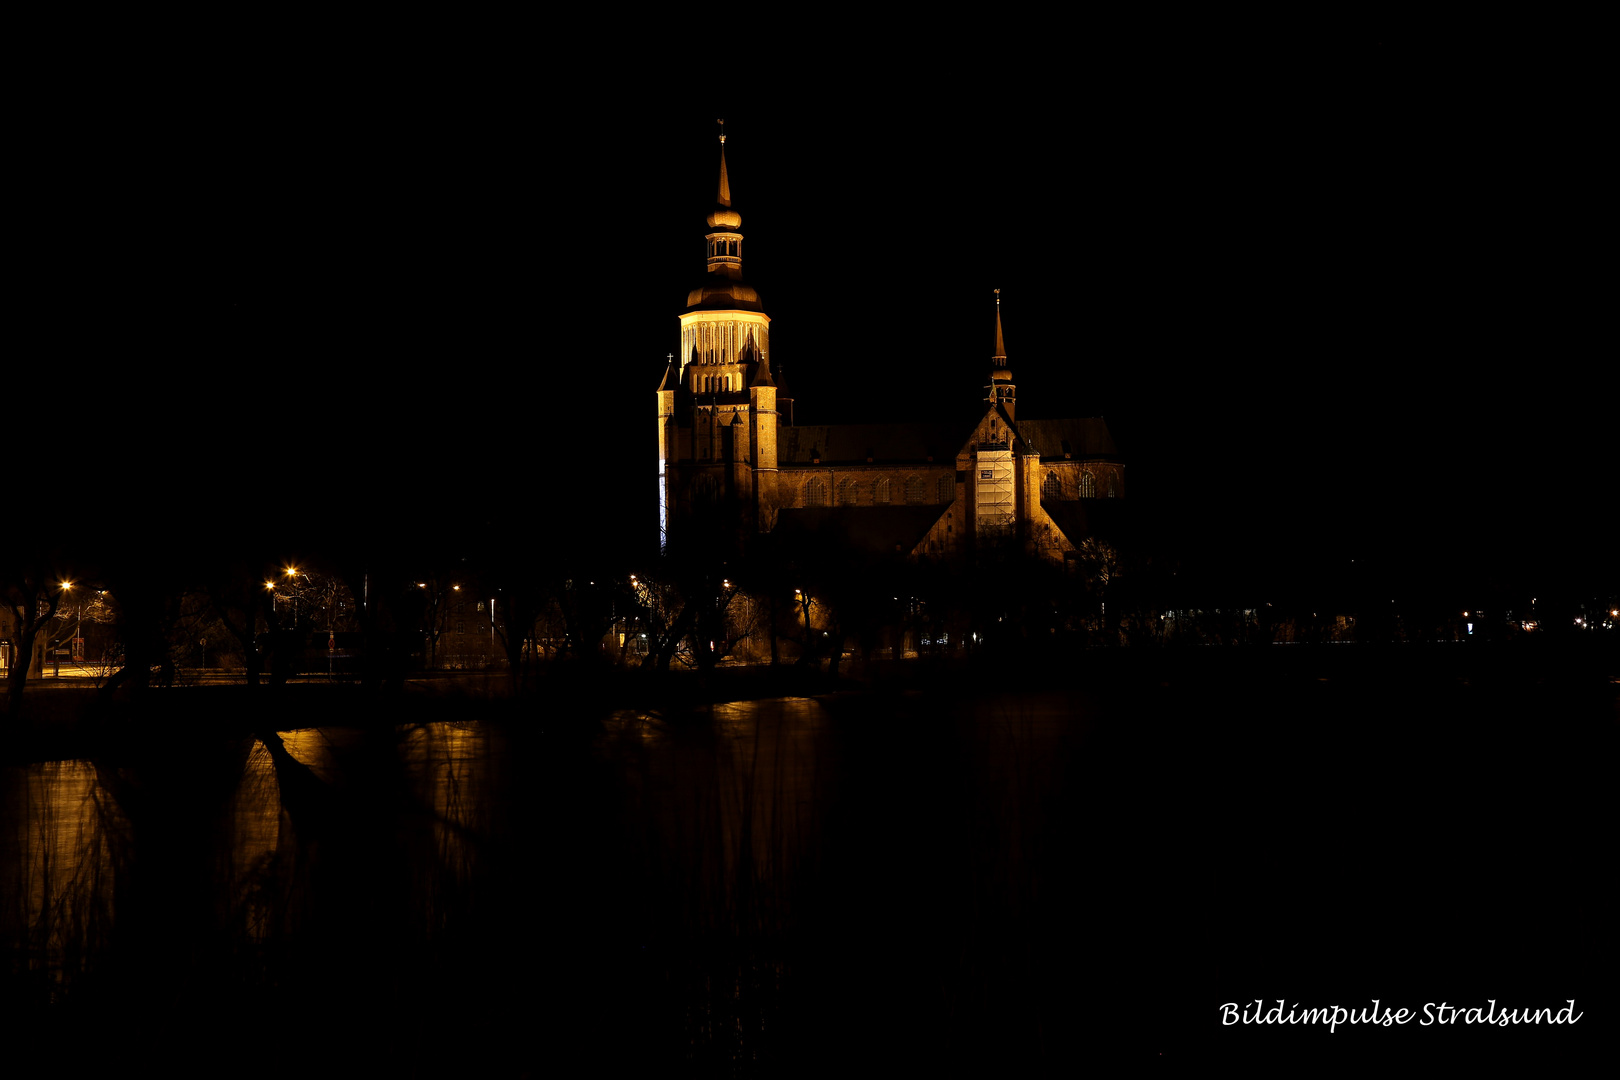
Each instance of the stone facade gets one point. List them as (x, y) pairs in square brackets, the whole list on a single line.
[(726, 440)]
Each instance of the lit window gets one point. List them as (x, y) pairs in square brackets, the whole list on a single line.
[(1088, 486), (815, 492), (1051, 487)]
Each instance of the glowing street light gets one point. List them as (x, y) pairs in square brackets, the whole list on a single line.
[(78, 633)]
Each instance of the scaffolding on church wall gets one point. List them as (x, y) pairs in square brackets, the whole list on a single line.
[(994, 508)]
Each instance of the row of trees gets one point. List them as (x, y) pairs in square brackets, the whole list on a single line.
[(789, 598), (781, 597)]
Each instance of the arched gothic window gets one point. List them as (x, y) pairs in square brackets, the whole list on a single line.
[(849, 492), (916, 491), (815, 492), (946, 489), (1051, 488), (880, 493), (1088, 486)]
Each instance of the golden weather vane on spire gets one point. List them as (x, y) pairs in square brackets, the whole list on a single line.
[(722, 124)]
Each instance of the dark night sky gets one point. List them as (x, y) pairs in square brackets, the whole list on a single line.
[(1332, 294)]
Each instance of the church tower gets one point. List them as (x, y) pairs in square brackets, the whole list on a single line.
[(724, 330), (717, 405), (993, 460)]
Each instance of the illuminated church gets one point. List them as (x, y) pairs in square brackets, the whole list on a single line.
[(727, 441)]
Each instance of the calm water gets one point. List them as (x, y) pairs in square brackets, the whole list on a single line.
[(765, 886)]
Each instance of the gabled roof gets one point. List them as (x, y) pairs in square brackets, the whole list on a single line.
[(1087, 437)]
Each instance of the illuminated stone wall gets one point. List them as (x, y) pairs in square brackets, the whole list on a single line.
[(859, 484), (1071, 477), (715, 347)]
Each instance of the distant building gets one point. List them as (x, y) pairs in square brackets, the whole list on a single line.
[(8, 648), (726, 439)]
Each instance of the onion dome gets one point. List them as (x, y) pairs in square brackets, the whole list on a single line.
[(724, 218), (721, 293)]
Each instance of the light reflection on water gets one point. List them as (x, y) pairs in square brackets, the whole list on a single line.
[(902, 857), (714, 858), (57, 851), (72, 834), (726, 801)]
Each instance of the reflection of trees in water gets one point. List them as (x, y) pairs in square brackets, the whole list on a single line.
[(56, 874), (447, 778), (813, 869), (249, 865), (729, 887), (722, 817)]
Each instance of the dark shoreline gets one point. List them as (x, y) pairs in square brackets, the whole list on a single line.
[(66, 722)]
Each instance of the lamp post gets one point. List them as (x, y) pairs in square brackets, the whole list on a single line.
[(293, 572), (56, 654)]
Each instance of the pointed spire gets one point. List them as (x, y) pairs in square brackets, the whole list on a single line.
[(762, 366), (724, 198), (1000, 390), (1001, 350)]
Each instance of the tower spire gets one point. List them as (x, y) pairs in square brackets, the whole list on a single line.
[(1001, 350), (1001, 390), (724, 198)]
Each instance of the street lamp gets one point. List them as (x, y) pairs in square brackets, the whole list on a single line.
[(293, 573), (56, 656)]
